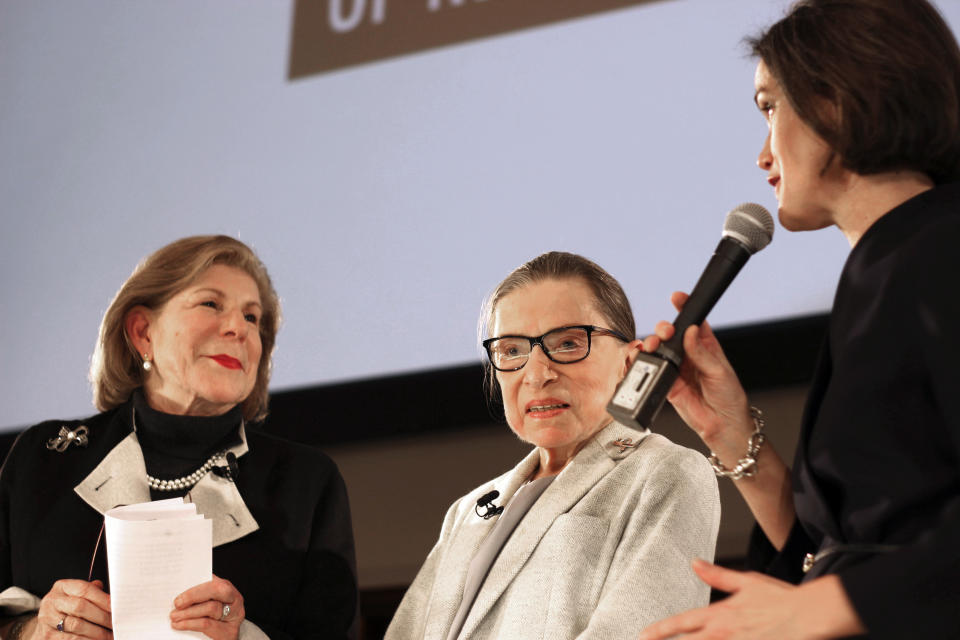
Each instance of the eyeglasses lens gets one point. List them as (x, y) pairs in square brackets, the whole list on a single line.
[(560, 345)]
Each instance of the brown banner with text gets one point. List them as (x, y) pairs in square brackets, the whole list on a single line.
[(332, 34)]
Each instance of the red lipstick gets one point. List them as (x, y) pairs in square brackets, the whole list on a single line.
[(227, 361)]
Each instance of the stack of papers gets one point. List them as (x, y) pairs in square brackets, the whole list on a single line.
[(155, 551)]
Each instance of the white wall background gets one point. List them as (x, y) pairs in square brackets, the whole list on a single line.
[(386, 199)]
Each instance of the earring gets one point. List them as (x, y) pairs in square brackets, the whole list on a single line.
[(147, 364)]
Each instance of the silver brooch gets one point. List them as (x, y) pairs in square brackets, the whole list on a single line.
[(66, 437), (624, 444)]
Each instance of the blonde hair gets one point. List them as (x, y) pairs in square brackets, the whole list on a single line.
[(116, 368)]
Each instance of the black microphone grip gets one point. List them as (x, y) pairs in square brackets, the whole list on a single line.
[(724, 265), (642, 392)]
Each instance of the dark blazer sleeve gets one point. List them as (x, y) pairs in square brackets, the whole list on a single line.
[(330, 571), (915, 591), (298, 570), (785, 564), (7, 476), (37, 504)]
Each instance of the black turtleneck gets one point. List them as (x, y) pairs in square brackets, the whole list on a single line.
[(175, 446)]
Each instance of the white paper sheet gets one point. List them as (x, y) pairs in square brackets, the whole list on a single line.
[(155, 550)]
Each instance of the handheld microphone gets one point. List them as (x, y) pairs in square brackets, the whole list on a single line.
[(640, 395)]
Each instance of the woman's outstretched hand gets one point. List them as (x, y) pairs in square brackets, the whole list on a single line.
[(762, 607), (707, 394), (213, 608), (72, 609)]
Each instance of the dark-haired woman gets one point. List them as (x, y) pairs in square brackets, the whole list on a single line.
[(180, 373), (862, 98)]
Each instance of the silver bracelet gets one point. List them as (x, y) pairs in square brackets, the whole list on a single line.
[(747, 465)]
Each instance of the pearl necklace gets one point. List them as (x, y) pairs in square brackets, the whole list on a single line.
[(185, 482)]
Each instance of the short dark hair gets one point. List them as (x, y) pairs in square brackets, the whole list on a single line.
[(609, 297), (892, 69)]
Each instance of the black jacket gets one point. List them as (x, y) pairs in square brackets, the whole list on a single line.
[(296, 572), (879, 454)]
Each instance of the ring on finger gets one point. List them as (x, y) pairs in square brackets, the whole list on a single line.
[(60, 624), (224, 612)]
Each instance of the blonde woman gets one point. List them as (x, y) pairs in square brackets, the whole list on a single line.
[(180, 374)]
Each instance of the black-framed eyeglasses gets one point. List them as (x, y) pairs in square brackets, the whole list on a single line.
[(564, 345)]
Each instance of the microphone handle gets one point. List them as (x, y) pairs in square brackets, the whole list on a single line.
[(641, 394), (724, 265)]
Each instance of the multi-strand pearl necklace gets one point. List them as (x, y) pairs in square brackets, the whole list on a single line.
[(185, 482)]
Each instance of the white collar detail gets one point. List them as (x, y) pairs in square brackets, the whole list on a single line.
[(121, 478)]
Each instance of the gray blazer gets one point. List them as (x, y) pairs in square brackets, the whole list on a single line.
[(605, 551)]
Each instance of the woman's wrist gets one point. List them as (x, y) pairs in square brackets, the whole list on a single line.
[(730, 442), (746, 464), (835, 617)]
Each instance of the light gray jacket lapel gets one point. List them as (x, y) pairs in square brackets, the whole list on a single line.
[(446, 600), (597, 458), (121, 478)]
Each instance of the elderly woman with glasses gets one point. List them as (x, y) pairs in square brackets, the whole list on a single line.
[(180, 374), (591, 535)]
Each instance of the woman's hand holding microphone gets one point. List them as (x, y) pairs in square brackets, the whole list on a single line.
[(707, 394)]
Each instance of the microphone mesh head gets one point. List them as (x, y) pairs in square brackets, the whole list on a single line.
[(751, 225)]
